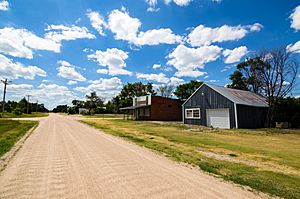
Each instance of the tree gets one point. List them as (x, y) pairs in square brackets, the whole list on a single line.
[(129, 91), (184, 91), (271, 73), (76, 105), (93, 102), (166, 90)]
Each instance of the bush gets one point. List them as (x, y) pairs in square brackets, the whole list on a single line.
[(17, 111)]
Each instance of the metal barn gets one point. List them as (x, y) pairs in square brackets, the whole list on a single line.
[(221, 107)]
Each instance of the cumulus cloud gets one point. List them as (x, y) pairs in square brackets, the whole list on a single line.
[(72, 82), (105, 88), (153, 77), (295, 18), (202, 35), (127, 28), (187, 60), (113, 59), (20, 42), (157, 36), (234, 55), (179, 2), (97, 21), (4, 5), (59, 33), (295, 48), (156, 66), (68, 71), (15, 70)]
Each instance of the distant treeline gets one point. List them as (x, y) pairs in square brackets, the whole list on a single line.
[(22, 106)]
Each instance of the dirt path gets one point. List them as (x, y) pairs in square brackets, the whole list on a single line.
[(66, 159)]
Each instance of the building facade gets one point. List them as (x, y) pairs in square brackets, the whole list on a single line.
[(157, 108), (221, 107)]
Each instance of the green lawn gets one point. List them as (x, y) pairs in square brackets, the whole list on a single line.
[(11, 131), (267, 160), (33, 114)]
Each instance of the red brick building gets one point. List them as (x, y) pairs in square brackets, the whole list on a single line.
[(157, 108)]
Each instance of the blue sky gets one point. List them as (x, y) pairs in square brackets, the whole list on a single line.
[(60, 50)]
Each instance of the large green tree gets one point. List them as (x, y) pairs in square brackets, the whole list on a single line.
[(271, 73), (184, 91), (129, 91), (93, 102)]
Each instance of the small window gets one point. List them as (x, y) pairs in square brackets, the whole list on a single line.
[(192, 113)]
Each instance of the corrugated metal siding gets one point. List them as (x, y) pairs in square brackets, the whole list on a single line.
[(251, 117), (210, 100)]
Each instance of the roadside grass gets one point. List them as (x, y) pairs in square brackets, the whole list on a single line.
[(24, 115), (11, 131), (266, 160)]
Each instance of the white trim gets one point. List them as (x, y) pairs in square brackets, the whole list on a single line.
[(192, 109), (235, 115)]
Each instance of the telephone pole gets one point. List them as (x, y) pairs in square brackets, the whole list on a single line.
[(5, 82), (28, 96)]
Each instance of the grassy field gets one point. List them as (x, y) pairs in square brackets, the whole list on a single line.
[(266, 160), (11, 131), (33, 114)]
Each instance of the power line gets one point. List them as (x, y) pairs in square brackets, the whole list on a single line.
[(5, 82)]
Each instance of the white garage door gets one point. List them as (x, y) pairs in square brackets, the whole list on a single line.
[(218, 118)]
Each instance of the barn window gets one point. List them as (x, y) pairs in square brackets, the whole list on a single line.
[(192, 113)]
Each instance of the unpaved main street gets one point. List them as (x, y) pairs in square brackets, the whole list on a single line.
[(66, 159)]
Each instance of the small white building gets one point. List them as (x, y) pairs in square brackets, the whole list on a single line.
[(83, 111)]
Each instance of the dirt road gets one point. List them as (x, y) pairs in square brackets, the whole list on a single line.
[(66, 159)]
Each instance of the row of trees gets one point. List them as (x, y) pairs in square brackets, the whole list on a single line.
[(23, 107)]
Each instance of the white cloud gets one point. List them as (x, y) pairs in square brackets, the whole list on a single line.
[(14, 70), (4, 5), (66, 70), (102, 71), (123, 26), (156, 66), (127, 28), (97, 21), (153, 77), (105, 88), (72, 82), (234, 55), (294, 47), (179, 2), (59, 33), (202, 35), (176, 81), (112, 58), (157, 36), (152, 5), (19, 87), (187, 61), (20, 42), (295, 18)]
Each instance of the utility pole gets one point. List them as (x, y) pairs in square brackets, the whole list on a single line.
[(5, 82), (28, 96)]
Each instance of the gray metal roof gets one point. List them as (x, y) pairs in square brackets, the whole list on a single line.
[(240, 97)]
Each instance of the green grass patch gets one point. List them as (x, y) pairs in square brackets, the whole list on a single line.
[(33, 114), (276, 152), (11, 131)]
